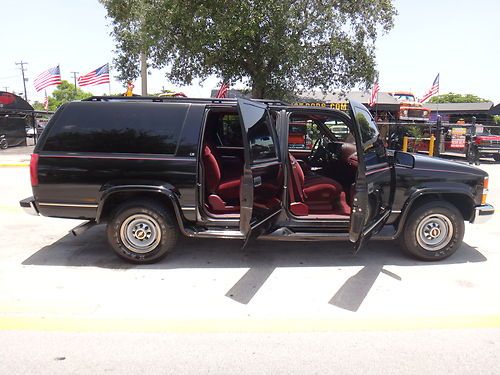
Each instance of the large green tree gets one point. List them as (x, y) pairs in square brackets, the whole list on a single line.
[(275, 47), (65, 92), (456, 98)]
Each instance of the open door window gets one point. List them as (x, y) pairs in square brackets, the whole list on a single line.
[(262, 180), (374, 180)]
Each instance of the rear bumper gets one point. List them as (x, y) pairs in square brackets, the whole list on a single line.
[(482, 213), (29, 206)]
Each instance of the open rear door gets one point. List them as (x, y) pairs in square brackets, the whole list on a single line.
[(260, 195), (374, 180)]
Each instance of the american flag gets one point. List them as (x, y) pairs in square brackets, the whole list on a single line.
[(373, 96), (48, 78), (95, 77), (432, 91), (222, 93)]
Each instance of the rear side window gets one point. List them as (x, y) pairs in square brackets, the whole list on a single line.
[(149, 128)]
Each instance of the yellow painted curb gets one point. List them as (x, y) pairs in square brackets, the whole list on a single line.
[(245, 325), (14, 165)]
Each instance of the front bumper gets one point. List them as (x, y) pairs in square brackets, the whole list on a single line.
[(487, 150), (482, 213), (29, 206)]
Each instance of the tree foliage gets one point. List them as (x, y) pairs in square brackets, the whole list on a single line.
[(275, 47), (456, 98), (65, 92)]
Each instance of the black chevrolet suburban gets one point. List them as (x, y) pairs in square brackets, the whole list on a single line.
[(153, 169)]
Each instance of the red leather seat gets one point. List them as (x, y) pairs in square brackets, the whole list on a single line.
[(222, 196), (314, 194)]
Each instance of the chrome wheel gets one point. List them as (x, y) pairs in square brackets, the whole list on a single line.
[(434, 232), (140, 233)]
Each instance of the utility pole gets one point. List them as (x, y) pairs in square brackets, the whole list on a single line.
[(6, 88), (74, 79), (144, 74), (22, 63)]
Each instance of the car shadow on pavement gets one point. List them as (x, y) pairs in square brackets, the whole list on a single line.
[(91, 249)]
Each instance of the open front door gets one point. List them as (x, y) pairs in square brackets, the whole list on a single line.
[(260, 194), (374, 180)]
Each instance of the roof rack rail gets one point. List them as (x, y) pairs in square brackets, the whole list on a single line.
[(175, 99)]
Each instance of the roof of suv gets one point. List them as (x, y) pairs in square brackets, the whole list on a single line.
[(177, 100)]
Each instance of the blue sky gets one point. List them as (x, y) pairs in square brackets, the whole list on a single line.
[(458, 39)]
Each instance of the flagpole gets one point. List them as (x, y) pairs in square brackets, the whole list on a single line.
[(109, 83)]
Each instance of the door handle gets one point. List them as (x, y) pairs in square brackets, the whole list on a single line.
[(257, 181)]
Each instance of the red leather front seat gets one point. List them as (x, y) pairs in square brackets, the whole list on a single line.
[(313, 194), (222, 196)]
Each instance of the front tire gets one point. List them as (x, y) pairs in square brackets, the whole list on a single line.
[(434, 231), (496, 157), (142, 232)]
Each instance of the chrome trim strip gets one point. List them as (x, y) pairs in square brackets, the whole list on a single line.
[(69, 205), (188, 208)]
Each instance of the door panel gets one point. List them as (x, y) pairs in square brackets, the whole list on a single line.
[(262, 172), (374, 180)]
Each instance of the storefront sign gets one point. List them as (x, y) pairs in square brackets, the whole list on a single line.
[(338, 106), (458, 138)]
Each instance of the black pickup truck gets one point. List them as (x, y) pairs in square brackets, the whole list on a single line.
[(156, 168)]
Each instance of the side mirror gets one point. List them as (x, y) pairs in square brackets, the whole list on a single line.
[(404, 159)]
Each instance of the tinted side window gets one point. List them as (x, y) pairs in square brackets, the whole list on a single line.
[(261, 140), (150, 128), (229, 131), (369, 131), (374, 150)]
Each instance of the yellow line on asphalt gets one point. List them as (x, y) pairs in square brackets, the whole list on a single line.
[(245, 325), (14, 165)]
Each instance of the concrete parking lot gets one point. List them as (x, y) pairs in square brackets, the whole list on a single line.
[(308, 301)]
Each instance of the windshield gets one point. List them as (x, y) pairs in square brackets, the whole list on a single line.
[(405, 97)]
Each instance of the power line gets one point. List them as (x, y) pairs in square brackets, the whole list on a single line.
[(22, 63)]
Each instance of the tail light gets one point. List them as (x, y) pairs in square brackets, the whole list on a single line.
[(485, 190), (477, 141), (34, 169)]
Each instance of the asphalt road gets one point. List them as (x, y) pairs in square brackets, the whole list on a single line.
[(68, 305)]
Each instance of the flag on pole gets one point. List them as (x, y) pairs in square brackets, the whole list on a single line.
[(48, 78), (46, 102), (222, 93), (374, 94), (95, 77), (432, 91)]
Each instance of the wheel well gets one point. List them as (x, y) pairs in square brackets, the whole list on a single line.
[(116, 199), (461, 202)]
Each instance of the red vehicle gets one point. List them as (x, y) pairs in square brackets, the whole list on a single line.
[(484, 144), (298, 139), (410, 109)]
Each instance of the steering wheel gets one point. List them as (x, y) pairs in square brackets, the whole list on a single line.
[(319, 154)]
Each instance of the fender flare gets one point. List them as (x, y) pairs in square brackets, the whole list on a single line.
[(405, 212), (164, 189)]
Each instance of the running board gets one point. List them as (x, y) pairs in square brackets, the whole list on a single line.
[(284, 234), (214, 233)]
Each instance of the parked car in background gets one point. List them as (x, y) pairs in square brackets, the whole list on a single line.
[(410, 109)]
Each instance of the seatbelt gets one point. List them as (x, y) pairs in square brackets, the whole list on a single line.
[(293, 163)]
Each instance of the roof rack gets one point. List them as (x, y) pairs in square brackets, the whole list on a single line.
[(176, 99)]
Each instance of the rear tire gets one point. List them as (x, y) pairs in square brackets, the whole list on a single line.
[(434, 231), (142, 231)]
